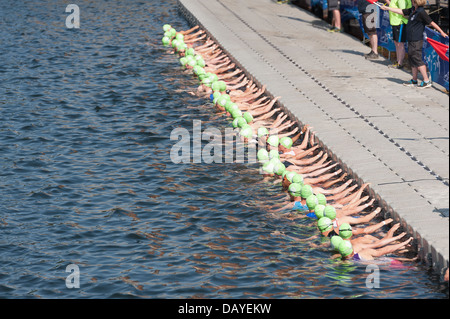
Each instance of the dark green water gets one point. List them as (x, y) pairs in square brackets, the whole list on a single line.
[(86, 176)]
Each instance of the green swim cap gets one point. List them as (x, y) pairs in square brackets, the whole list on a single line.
[(273, 141), (322, 199), (191, 62), (345, 248), (215, 86), (174, 43), (279, 168), (297, 178), (289, 175), (307, 191), (335, 241), (319, 210), (330, 212), (222, 101), (286, 142), (206, 81), (165, 41), (295, 189), (183, 61), (201, 62), (181, 47), (222, 86), (241, 121), (246, 132), (274, 154), (179, 36), (233, 107), (229, 106), (262, 131), (201, 72), (201, 76), (198, 57), (213, 77), (236, 113), (235, 122), (190, 52), (173, 32), (197, 69), (345, 231), (248, 117), (324, 224), (263, 155), (311, 202), (268, 167), (167, 27)]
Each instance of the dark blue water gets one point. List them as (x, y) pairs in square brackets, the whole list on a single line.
[(86, 177)]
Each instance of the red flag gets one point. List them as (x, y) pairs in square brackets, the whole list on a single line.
[(440, 48), (375, 2)]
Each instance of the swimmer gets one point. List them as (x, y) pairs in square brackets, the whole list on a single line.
[(347, 252)]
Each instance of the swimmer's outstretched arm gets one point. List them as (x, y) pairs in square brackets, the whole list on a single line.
[(384, 241), (263, 108), (335, 190), (240, 79), (362, 220), (353, 197), (391, 231), (337, 197), (325, 180), (193, 40), (284, 126), (314, 171), (372, 228), (280, 135), (351, 211), (190, 30), (266, 116), (308, 161), (388, 249), (304, 144), (279, 120), (229, 75)]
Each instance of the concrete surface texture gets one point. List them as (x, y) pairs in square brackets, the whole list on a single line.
[(394, 137)]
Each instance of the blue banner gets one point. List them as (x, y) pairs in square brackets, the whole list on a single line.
[(438, 68)]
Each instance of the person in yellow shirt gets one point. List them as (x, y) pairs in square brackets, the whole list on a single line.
[(398, 23)]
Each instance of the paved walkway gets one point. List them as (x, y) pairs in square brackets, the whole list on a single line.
[(394, 137)]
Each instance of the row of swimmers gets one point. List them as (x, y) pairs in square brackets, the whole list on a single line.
[(316, 188)]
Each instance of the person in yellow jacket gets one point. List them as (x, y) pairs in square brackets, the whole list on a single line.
[(398, 23)]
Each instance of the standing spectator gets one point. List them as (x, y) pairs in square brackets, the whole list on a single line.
[(369, 16), (333, 6), (398, 23), (417, 21)]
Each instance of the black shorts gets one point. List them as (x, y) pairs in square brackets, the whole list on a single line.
[(399, 33), (333, 5), (369, 23), (415, 53)]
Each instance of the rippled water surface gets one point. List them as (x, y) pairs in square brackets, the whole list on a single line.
[(86, 176)]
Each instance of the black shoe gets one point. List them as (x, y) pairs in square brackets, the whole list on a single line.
[(371, 56)]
